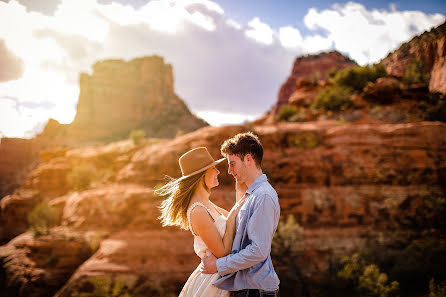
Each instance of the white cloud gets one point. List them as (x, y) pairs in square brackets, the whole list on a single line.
[(260, 31), (369, 35), (290, 37), (225, 71)]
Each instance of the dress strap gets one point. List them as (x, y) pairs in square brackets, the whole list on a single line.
[(189, 210)]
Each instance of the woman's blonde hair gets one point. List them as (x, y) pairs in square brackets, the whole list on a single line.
[(179, 193)]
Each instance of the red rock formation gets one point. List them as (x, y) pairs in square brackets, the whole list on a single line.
[(138, 263), (13, 213), (122, 96), (17, 158), (339, 181), (40, 266), (430, 49), (311, 67)]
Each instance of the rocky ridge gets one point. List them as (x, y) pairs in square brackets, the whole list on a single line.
[(430, 49), (345, 184)]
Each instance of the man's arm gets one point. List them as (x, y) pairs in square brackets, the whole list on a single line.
[(260, 229)]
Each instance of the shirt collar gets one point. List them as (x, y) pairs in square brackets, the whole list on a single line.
[(261, 179)]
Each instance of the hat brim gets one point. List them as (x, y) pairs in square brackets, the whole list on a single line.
[(204, 168)]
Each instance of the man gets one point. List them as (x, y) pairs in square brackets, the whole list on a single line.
[(248, 270)]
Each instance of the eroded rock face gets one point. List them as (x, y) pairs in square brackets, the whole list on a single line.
[(312, 68), (122, 96), (343, 183), (339, 181), (138, 263), (113, 207), (17, 158), (429, 48), (14, 210), (40, 266)]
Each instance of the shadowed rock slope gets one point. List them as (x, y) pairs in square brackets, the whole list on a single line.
[(345, 184)]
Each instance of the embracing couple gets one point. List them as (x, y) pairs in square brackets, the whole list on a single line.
[(234, 246)]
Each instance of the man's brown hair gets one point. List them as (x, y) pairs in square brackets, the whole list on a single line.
[(243, 144)]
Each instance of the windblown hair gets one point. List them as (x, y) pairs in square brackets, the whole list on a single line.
[(243, 144), (179, 193)]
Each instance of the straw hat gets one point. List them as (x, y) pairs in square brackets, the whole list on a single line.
[(196, 161)]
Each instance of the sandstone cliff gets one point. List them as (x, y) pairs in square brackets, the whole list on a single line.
[(310, 68), (430, 49), (119, 97), (346, 185), (17, 158)]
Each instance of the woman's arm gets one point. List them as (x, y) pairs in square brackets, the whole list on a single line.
[(203, 225)]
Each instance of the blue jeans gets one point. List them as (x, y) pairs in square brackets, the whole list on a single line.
[(255, 293)]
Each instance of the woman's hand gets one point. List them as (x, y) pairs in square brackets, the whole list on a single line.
[(240, 189), (234, 210)]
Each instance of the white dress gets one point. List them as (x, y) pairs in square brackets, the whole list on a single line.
[(200, 284)]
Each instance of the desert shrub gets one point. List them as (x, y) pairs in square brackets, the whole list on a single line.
[(353, 276), (81, 176), (437, 112), (367, 279), (333, 98), (411, 262), (305, 140), (331, 73), (414, 73), (286, 112), (284, 251), (137, 136), (122, 285), (42, 218), (356, 78), (437, 290)]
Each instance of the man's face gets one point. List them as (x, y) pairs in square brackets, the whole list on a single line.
[(237, 168)]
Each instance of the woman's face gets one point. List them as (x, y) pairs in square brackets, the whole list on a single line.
[(211, 177)]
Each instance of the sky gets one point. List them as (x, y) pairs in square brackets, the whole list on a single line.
[(229, 57)]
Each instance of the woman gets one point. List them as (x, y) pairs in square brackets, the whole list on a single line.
[(188, 206)]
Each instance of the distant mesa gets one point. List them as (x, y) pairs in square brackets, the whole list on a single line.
[(123, 96)]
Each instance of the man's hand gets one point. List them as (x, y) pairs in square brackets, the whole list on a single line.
[(209, 264)]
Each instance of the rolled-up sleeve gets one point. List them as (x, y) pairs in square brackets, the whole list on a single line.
[(260, 230)]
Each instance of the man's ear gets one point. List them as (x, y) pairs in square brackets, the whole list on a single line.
[(248, 158)]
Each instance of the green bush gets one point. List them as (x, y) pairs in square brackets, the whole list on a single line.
[(334, 98), (42, 218), (286, 112), (137, 136), (356, 78), (284, 252), (437, 112), (331, 73), (305, 140), (436, 290), (411, 262), (367, 279), (81, 176), (414, 73)]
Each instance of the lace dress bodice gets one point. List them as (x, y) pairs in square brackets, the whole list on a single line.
[(220, 222)]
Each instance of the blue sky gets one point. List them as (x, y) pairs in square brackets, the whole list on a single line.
[(229, 57)]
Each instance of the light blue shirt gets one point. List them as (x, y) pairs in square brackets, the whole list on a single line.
[(249, 265)]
